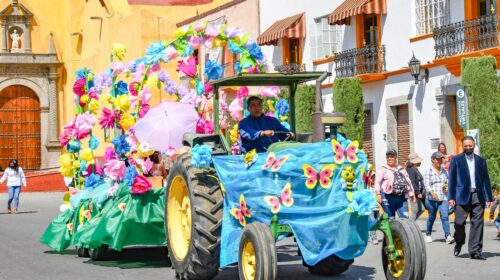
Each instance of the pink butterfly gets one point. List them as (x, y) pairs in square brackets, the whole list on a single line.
[(285, 199), (273, 162), (349, 153), (242, 212), (323, 177)]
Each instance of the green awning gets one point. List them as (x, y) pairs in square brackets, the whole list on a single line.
[(266, 79)]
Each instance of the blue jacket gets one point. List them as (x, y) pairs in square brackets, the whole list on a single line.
[(459, 188), (250, 129)]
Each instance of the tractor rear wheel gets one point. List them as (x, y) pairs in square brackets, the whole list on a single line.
[(257, 253), (101, 253), (330, 266), (193, 220)]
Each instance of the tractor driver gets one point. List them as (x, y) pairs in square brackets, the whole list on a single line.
[(258, 131)]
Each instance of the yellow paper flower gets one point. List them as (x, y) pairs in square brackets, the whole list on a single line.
[(122, 103), (234, 133), (180, 32), (127, 121), (118, 51), (86, 155), (219, 43), (66, 164), (152, 81), (84, 99), (144, 151), (94, 106), (107, 98), (90, 77), (270, 104)]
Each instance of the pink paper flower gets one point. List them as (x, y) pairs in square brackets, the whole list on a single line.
[(242, 92), (141, 185), (236, 109), (139, 71), (97, 169), (145, 96), (64, 139), (270, 91), (132, 87), (194, 41), (187, 67), (113, 189), (115, 169), (79, 87), (109, 154), (144, 110), (212, 30), (117, 68), (171, 52), (154, 68), (107, 119)]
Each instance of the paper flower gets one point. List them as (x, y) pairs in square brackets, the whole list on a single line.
[(255, 51), (66, 165), (234, 133), (152, 81), (113, 189), (155, 52), (64, 139), (213, 29), (201, 156), (121, 144), (270, 91), (133, 87), (213, 70), (73, 146), (236, 149), (94, 106), (130, 174), (79, 86), (92, 180), (70, 227), (171, 52), (97, 169), (199, 87), (282, 107), (187, 67), (83, 124), (140, 185), (194, 41), (86, 155), (93, 142), (118, 51), (242, 92), (121, 88), (170, 87), (237, 67), (107, 98), (122, 103), (145, 95), (144, 150), (121, 206), (109, 154), (102, 81), (115, 169), (142, 112), (363, 202), (235, 48), (127, 121), (232, 32), (236, 109), (117, 68), (107, 119)]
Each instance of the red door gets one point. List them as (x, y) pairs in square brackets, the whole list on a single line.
[(19, 127)]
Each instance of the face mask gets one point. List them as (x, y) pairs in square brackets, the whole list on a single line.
[(469, 151)]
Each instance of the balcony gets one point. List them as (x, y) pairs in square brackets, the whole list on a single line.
[(466, 36), (354, 62)]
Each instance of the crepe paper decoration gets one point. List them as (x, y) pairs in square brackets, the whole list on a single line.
[(130, 174), (93, 142), (234, 133), (152, 81), (145, 96), (255, 51), (362, 202), (73, 146), (102, 81), (112, 190), (236, 149), (86, 155), (213, 70), (121, 88), (236, 109), (140, 185), (201, 156), (144, 150), (194, 41), (119, 51), (64, 139), (92, 180), (199, 87), (187, 67), (117, 68), (127, 121), (282, 107), (109, 154), (84, 100), (285, 199), (270, 91), (235, 48), (348, 154), (270, 114), (139, 71), (79, 86), (115, 169), (163, 76), (70, 227), (250, 158), (66, 165), (121, 144), (213, 29), (121, 206), (122, 103), (237, 67), (97, 168), (133, 88), (94, 106), (242, 92), (241, 212)]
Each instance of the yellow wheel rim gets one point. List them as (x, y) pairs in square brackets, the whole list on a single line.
[(248, 260), (396, 267), (179, 217)]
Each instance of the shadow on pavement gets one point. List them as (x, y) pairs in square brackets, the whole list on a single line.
[(65, 252), (20, 212), (137, 257)]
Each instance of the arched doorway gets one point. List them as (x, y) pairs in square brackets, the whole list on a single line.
[(19, 127)]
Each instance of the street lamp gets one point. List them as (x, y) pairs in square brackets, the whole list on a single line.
[(333, 121), (415, 70)]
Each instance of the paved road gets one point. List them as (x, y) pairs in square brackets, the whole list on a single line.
[(23, 257)]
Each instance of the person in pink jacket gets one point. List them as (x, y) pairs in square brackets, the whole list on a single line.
[(393, 187)]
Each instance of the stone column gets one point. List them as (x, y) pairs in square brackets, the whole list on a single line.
[(27, 37), (52, 132), (5, 31)]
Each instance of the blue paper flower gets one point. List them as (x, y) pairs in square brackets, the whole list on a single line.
[(82, 73), (73, 146), (92, 180), (201, 156), (199, 87), (121, 144), (255, 51), (130, 174), (363, 202), (187, 51), (83, 166), (155, 52), (286, 125), (234, 48), (282, 107), (213, 70), (237, 67), (121, 88), (93, 142)]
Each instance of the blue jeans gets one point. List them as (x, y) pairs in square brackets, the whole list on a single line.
[(433, 207), (395, 203), (497, 222), (14, 192)]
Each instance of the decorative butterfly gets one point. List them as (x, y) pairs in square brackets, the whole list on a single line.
[(285, 199), (349, 153), (273, 162), (70, 227), (368, 177), (250, 158), (121, 206), (323, 177), (242, 212)]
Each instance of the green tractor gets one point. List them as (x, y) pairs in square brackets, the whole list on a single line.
[(194, 202)]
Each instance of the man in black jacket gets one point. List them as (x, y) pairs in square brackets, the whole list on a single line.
[(417, 207)]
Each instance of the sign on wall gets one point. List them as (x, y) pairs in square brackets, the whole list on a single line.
[(462, 110)]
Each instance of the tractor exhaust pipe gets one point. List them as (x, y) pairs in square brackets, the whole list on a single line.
[(318, 129)]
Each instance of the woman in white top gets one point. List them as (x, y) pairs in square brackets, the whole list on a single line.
[(14, 176)]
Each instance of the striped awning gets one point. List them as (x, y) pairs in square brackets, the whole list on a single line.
[(350, 8), (290, 27)]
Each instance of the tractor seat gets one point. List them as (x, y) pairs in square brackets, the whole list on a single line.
[(280, 146)]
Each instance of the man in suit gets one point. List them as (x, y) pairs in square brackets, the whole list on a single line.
[(469, 190)]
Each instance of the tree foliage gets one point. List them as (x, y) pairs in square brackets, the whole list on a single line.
[(348, 99), (479, 74), (305, 102)]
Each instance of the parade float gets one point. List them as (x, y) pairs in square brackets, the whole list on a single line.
[(217, 207)]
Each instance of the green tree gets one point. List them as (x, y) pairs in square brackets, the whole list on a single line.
[(479, 75), (348, 99), (305, 102)]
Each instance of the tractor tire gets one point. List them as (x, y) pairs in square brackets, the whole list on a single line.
[(257, 253), (420, 260), (101, 253), (193, 220), (330, 266), (407, 266), (83, 252)]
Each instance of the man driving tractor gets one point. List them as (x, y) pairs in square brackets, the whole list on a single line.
[(258, 131)]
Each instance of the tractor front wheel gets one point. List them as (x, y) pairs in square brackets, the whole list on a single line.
[(101, 253), (257, 253)]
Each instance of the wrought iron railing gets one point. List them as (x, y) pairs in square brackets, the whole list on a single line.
[(290, 68), (466, 36), (370, 59)]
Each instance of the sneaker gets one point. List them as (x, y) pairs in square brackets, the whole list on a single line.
[(428, 239), (450, 240)]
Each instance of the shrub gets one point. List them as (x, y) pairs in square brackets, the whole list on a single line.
[(348, 99)]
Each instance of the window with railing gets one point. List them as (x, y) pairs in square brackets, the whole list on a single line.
[(325, 39), (430, 14)]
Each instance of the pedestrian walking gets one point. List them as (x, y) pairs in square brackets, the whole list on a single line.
[(469, 190), (14, 176), (417, 181), (393, 187), (436, 184), (497, 225), (494, 206), (446, 158)]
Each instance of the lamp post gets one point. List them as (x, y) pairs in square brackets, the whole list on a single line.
[(414, 65), (333, 121)]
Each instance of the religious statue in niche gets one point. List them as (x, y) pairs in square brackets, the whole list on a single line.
[(16, 40)]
